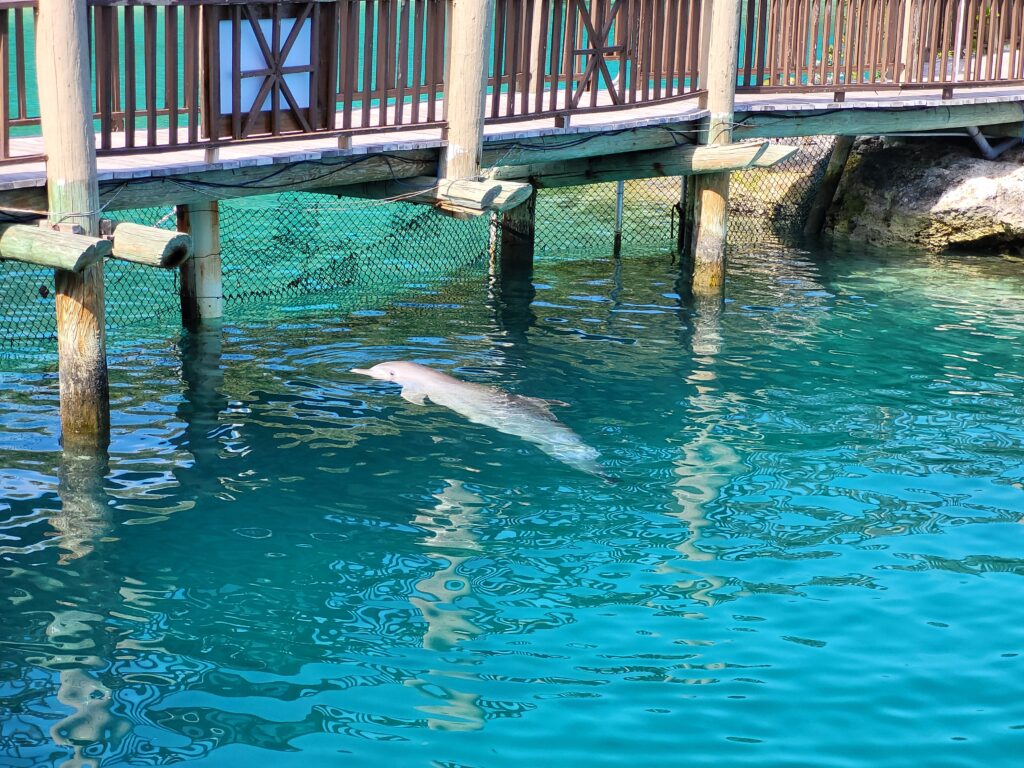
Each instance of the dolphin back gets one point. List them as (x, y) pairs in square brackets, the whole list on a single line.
[(528, 418)]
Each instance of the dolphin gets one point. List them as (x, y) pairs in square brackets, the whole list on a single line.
[(529, 418)]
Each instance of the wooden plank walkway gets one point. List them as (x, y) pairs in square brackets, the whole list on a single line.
[(127, 168)]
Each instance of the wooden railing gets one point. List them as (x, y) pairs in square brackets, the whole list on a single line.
[(557, 57), (323, 66), (17, 71), (845, 45), (200, 73), (138, 91), (392, 63)]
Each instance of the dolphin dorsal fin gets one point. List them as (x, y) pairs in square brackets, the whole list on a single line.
[(414, 396), (540, 402)]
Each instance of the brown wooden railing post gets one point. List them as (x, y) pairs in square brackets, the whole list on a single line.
[(911, 41), (5, 87), (65, 109)]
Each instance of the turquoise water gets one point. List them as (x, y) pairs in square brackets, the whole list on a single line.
[(811, 558)]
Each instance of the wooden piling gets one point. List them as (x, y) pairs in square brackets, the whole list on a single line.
[(466, 88), (65, 111), (202, 291), (518, 228), (828, 185), (465, 104), (711, 191), (684, 243)]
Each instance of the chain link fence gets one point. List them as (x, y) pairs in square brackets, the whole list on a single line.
[(764, 203), (281, 248), (773, 203), (274, 250)]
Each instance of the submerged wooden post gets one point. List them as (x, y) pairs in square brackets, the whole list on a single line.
[(828, 185), (711, 191), (202, 292), (465, 103), (65, 112), (684, 241), (518, 237)]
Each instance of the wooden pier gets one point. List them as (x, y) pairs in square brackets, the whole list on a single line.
[(464, 105)]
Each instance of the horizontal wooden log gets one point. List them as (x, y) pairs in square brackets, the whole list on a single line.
[(50, 248), (773, 154), (850, 120), (555, 147), (468, 197), (864, 121), (330, 172), (227, 184), (687, 160), (150, 246), (486, 195), (1005, 130)]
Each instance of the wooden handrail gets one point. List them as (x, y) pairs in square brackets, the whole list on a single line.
[(842, 45), (380, 64)]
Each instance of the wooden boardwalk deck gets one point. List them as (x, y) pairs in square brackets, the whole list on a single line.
[(120, 171)]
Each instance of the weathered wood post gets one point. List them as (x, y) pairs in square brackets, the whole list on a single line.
[(711, 191), (518, 230), (65, 111), (465, 104), (684, 241), (828, 185), (910, 35), (466, 89), (202, 292)]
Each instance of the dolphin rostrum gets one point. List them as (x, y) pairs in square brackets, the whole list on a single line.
[(529, 418)]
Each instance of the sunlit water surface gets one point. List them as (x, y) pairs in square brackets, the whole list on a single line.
[(813, 555)]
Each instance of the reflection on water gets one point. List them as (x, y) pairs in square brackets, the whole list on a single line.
[(822, 483), (706, 462)]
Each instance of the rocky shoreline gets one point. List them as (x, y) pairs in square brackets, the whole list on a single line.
[(935, 194)]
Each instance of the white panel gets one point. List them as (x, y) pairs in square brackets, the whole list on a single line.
[(252, 58)]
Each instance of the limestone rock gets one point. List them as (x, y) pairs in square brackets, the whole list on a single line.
[(931, 193)]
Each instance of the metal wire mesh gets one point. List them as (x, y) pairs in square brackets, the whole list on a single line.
[(302, 243), (26, 305), (774, 202), (763, 202), (284, 247), (134, 294), (273, 249), (583, 219)]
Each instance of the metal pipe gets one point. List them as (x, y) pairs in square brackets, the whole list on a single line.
[(620, 193), (987, 150)]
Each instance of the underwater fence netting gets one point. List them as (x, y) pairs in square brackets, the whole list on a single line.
[(274, 250), (764, 203), (282, 248), (299, 243), (774, 202)]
